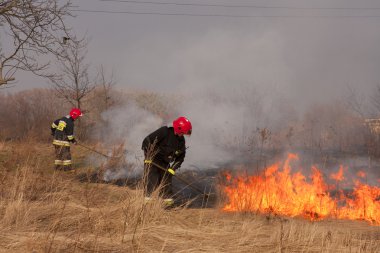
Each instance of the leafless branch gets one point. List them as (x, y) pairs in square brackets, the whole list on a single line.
[(106, 83), (375, 99), (355, 102), (34, 30), (73, 82)]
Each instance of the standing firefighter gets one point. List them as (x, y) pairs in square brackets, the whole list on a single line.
[(63, 131), (166, 148)]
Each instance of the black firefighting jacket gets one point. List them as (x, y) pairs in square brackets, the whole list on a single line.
[(170, 147), (63, 131)]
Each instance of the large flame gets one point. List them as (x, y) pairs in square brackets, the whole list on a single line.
[(278, 191)]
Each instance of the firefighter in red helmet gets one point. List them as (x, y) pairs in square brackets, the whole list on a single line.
[(63, 132), (166, 148)]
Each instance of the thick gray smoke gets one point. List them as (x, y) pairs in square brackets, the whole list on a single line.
[(236, 75), (224, 120), (129, 124)]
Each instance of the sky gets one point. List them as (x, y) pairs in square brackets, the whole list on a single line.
[(305, 58), (299, 52)]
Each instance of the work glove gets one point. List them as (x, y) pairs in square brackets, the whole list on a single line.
[(147, 161), (171, 171)]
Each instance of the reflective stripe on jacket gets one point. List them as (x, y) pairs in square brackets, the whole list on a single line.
[(63, 131)]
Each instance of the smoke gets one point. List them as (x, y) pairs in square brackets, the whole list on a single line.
[(127, 124), (309, 61), (130, 124), (227, 128), (238, 77), (223, 121), (355, 168)]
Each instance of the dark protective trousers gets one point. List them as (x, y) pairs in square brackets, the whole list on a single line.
[(156, 178), (62, 157)]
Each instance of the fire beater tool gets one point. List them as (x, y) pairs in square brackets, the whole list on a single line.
[(95, 151)]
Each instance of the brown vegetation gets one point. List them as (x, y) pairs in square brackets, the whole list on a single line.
[(29, 114), (42, 210), (46, 211), (323, 128)]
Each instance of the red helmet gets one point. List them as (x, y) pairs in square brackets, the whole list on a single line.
[(75, 113), (182, 126)]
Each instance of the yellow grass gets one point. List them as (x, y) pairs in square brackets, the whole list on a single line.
[(46, 211)]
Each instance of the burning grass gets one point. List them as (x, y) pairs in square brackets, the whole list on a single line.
[(279, 191), (46, 211)]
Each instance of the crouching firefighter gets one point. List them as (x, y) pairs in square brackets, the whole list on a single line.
[(63, 131), (164, 151)]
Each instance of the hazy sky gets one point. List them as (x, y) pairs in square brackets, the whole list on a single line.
[(304, 58), (275, 51), (301, 52)]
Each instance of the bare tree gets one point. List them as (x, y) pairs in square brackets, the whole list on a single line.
[(375, 99), (33, 29), (73, 82), (355, 101), (27, 113), (106, 84)]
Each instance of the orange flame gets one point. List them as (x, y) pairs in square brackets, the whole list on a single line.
[(339, 175), (361, 174), (281, 192)]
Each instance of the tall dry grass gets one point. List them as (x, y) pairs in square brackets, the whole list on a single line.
[(46, 211), (49, 212)]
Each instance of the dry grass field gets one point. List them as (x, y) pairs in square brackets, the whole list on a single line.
[(42, 210)]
